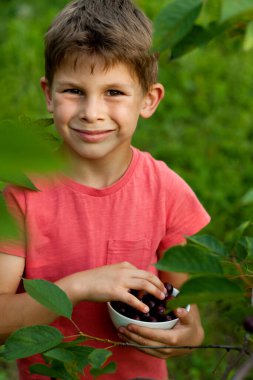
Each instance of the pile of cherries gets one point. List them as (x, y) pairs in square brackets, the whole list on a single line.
[(157, 308)]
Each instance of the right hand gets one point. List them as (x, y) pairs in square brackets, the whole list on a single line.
[(113, 282)]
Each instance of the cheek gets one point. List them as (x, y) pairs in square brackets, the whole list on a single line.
[(125, 114), (62, 112)]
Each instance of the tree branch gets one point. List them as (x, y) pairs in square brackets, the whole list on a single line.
[(244, 369), (228, 348)]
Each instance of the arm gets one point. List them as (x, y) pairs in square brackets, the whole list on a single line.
[(187, 332), (102, 284)]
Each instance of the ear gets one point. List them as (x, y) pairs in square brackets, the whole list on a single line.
[(47, 92), (151, 100)]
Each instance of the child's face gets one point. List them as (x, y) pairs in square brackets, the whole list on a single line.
[(96, 112)]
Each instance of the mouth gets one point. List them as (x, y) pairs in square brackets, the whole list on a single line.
[(94, 135)]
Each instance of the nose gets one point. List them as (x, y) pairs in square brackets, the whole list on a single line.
[(92, 109)]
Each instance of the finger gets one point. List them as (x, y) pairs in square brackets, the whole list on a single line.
[(147, 343), (151, 278), (156, 335), (147, 285), (133, 301), (184, 316)]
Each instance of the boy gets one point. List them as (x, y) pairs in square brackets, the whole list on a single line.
[(97, 229)]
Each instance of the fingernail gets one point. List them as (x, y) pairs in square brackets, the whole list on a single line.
[(180, 311), (146, 309)]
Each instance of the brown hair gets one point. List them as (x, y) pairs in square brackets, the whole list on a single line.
[(115, 30)]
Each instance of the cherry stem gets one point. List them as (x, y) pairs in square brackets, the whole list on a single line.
[(126, 344)]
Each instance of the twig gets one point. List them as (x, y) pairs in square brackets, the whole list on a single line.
[(235, 363), (231, 366), (126, 344), (244, 369), (241, 273), (215, 346), (219, 362)]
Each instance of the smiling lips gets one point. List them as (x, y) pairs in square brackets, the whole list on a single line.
[(92, 136)]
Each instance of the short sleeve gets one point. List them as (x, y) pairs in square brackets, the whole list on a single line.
[(185, 214), (15, 201)]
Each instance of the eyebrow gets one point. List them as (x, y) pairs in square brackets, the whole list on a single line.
[(107, 85)]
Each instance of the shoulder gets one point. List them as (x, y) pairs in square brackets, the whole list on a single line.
[(161, 173), (38, 185)]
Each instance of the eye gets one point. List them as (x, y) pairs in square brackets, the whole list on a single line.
[(73, 91), (114, 93)]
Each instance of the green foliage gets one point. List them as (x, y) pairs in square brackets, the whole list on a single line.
[(192, 260), (31, 340), (174, 22), (8, 228), (58, 302), (235, 9), (24, 148), (247, 199), (218, 271), (63, 359)]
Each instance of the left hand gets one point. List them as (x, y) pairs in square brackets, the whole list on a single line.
[(187, 332)]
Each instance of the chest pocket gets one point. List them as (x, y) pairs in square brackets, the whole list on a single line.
[(136, 252)]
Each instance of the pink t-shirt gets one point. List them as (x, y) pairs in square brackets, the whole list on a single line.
[(73, 228)]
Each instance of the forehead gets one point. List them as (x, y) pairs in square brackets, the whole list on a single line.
[(96, 66)]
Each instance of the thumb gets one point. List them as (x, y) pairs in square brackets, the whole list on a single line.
[(183, 315)]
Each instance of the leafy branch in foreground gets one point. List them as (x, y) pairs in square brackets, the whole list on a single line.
[(218, 272), (183, 26)]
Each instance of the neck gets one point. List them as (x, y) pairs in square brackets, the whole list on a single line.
[(98, 173)]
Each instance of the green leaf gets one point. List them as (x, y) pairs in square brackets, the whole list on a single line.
[(248, 197), (174, 22), (238, 233), (110, 368), (236, 8), (57, 373), (81, 356), (211, 11), (42, 369), (19, 179), (248, 45), (247, 242), (198, 37), (31, 340), (207, 288), (189, 259), (8, 226), (27, 152), (208, 242), (98, 357), (50, 296), (241, 252), (45, 122), (60, 354), (75, 359), (2, 185), (74, 343)]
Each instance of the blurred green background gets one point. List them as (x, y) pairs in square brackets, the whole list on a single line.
[(202, 129)]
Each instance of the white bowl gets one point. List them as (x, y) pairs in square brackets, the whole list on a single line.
[(120, 320)]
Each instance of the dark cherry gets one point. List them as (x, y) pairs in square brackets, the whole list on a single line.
[(136, 317), (160, 310), (168, 287), (168, 317), (157, 308), (248, 324)]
